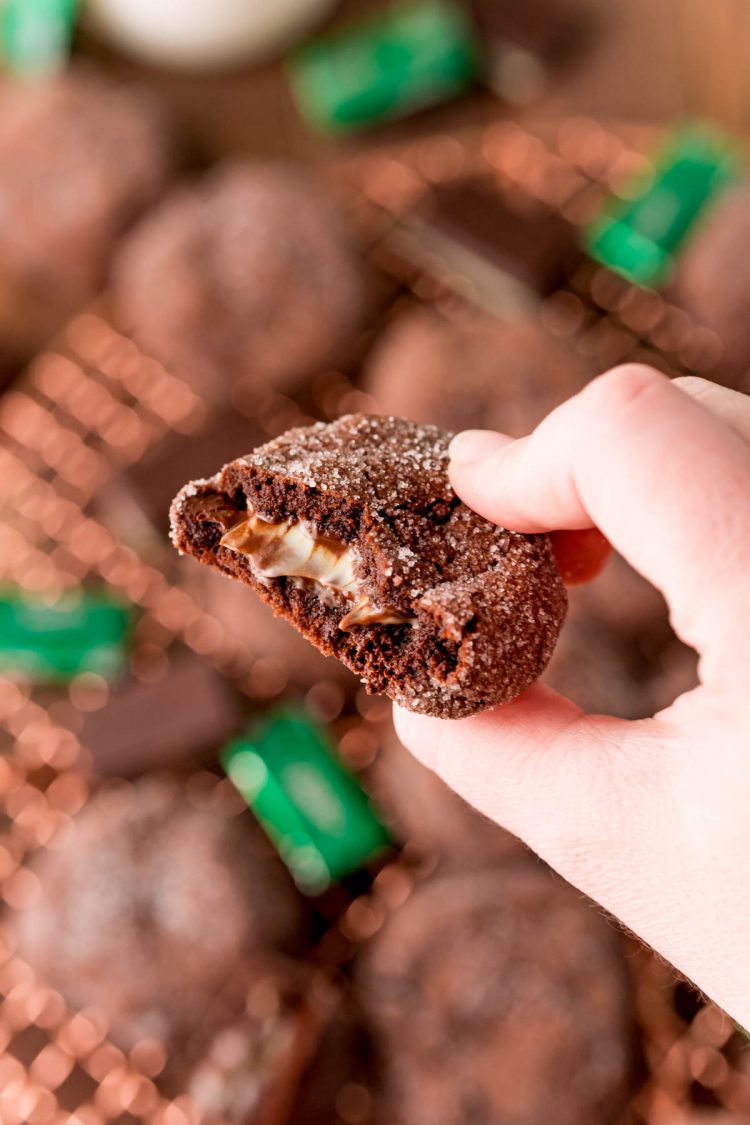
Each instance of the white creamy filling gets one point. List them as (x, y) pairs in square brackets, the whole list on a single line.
[(292, 550), (295, 550)]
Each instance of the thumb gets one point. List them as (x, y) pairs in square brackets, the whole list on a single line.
[(591, 795), (576, 788)]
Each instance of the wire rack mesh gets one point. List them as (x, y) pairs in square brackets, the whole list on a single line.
[(91, 406)]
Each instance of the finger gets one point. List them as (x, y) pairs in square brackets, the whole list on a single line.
[(603, 802), (582, 791), (666, 482), (732, 407), (580, 555)]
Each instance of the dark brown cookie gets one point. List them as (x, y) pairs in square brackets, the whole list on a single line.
[(499, 997), (713, 280), (80, 158), (246, 277), (153, 907), (471, 373), (352, 532)]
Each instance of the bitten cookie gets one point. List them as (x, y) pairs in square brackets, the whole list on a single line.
[(352, 532)]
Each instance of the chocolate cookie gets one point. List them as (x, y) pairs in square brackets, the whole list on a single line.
[(153, 907), (247, 276), (80, 158), (713, 281), (352, 532), (471, 373), (499, 996)]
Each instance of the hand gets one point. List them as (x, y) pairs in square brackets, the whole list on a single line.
[(650, 818)]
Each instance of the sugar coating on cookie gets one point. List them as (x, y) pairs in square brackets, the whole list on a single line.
[(352, 532)]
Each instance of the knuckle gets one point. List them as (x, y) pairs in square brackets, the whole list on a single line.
[(620, 388), (693, 385)]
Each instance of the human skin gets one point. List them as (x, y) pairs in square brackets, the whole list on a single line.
[(649, 818)]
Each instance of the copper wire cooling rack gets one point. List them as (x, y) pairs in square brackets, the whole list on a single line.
[(93, 404)]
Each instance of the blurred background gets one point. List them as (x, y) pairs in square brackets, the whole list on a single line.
[(227, 895)]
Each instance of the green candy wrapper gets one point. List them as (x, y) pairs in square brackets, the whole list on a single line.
[(52, 640), (313, 810), (638, 234), (415, 54), (35, 35)]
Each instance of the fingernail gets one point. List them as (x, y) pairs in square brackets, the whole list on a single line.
[(475, 445)]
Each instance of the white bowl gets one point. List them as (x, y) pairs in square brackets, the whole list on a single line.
[(203, 34)]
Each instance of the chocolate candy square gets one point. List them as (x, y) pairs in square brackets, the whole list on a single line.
[(511, 254), (521, 43)]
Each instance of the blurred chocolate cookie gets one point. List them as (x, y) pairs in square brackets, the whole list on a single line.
[(618, 654), (80, 158), (152, 908), (245, 277), (713, 280), (471, 373), (499, 996)]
